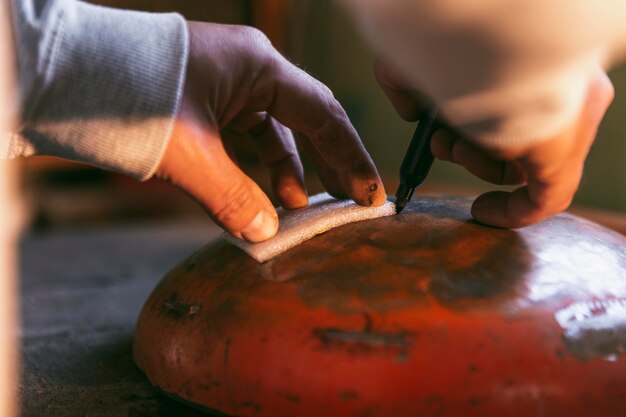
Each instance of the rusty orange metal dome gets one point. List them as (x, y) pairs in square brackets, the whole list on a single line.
[(422, 314)]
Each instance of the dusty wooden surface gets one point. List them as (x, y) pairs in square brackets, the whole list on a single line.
[(81, 295)]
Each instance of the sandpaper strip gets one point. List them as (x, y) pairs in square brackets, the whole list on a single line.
[(296, 226)]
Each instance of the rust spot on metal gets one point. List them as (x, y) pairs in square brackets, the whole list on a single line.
[(367, 327), (293, 398), (289, 396), (475, 401), (349, 395), (254, 406), (226, 352), (178, 309), (435, 405)]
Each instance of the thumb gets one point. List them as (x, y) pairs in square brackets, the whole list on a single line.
[(196, 161)]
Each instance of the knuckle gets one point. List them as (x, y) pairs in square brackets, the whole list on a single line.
[(255, 42), (326, 92), (333, 106), (252, 35), (257, 62)]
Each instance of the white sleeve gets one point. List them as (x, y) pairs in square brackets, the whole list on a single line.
[(97, 85), (504, 72)]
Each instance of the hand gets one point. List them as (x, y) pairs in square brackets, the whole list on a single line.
[(548, 171), (237, 80)]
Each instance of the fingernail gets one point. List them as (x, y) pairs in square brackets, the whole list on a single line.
[(262, 227)]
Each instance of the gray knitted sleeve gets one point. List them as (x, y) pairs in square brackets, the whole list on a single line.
[(98, 85)]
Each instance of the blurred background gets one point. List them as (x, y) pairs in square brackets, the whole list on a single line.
[(320, 38)]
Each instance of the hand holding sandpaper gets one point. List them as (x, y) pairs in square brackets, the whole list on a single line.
[(237, 80), (548, 171)]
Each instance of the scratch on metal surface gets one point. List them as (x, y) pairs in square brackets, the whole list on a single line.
[(371, 339)]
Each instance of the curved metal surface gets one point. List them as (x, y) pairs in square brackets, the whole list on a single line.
[(425, 313)]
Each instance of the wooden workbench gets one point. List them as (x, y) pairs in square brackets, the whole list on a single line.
[(81, 294)]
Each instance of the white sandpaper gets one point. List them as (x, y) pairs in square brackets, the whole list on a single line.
[(296, 226)]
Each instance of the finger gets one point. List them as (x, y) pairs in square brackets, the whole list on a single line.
[(328, 176), (246, 120), (448, 146), (277, 150), (196, 161), (543, 196), (441, 144), (407, 102), (551, 186), (530, 204), (305, 105), (521, 208)]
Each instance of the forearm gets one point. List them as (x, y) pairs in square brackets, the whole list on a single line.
[(97, 85)]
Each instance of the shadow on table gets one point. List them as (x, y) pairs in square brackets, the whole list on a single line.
[(91, 374)]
